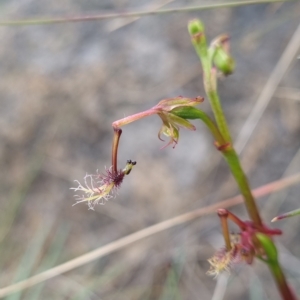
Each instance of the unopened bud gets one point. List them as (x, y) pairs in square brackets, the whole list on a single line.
[(195, 27), (222, 58), (196, 30)]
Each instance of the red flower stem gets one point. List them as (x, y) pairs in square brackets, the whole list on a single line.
[(237, 220), (223, 214), (135, 117), (115, 145)]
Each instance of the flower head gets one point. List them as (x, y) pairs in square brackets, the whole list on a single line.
[(241, 247), (98, 188), (223, 260), (166, 110)]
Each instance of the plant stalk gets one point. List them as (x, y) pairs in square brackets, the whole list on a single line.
[(281, 282), (242, 181), (197, 33), (223, 215), (196, 30), (133, 118), (115, 146)]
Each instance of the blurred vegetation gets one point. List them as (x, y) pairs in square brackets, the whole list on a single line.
[(61, 88)]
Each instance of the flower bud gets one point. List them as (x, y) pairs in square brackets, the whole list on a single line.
[(196, 30), (222, 58), (195, 27)]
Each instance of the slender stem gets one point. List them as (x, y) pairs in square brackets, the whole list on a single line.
[(287, 215), (201, 115), (115, 146), (242, 181), (270, 254), (223, 214), (133, 118), (281, 282), (213, 129), (83, 18), (235, 219), (232, 160), (218, 112)]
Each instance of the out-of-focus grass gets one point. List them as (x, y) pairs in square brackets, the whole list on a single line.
[(50, 259), (171, 288), (256, 290), (30, 257), (18, 195), (93, 94)]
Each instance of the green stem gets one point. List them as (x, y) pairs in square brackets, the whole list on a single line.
[(197, 33), (218, 112), (193, 113), (196, 30), (212, 127), (280, 279), (242, 181), (272, 260), (230, 157)]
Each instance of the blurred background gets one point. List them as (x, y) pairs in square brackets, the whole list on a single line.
[(61, 88)]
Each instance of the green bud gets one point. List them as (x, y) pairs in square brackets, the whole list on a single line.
[(195, 27), (196, 30), (222, 58), (224, 62)]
